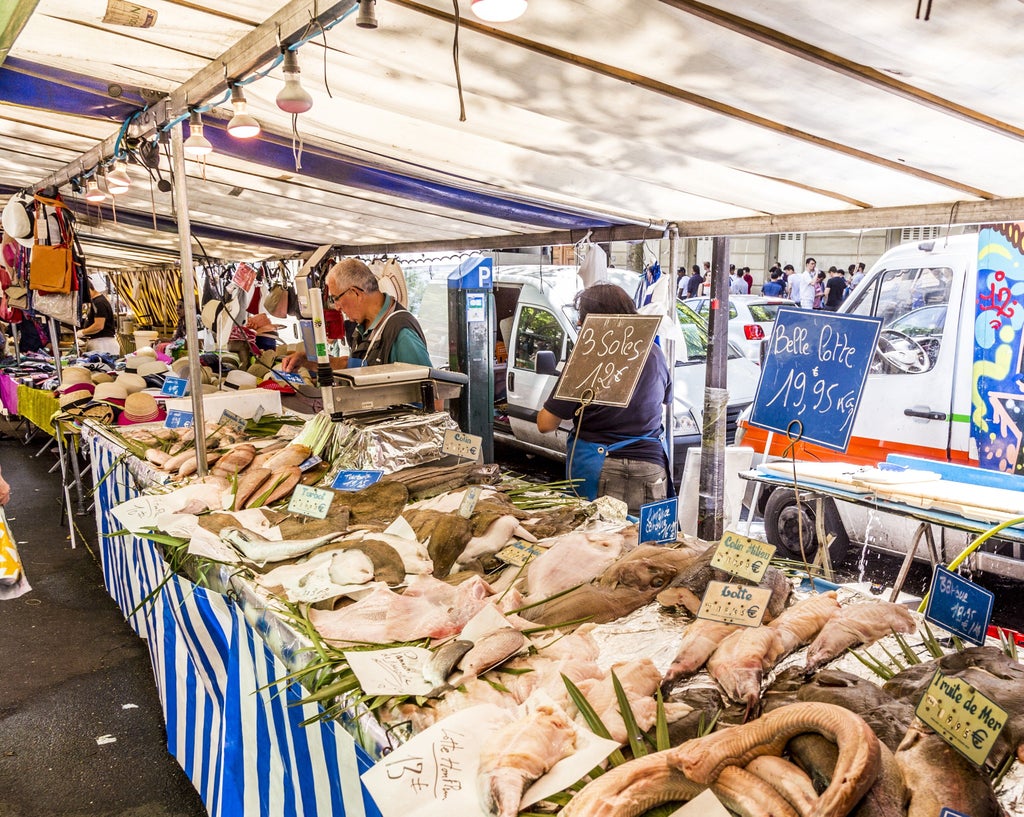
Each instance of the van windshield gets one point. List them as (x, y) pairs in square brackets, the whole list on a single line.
[(912, 303)]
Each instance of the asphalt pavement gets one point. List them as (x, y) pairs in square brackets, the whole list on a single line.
[(81, 729)]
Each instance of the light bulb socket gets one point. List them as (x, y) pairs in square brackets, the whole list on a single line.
[(367, 17)]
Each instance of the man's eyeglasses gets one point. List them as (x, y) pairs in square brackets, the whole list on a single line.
[(333, 299)]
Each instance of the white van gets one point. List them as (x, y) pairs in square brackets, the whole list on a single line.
[(947, 373), (534, 313)]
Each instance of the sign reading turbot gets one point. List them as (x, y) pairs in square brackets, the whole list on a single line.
[(814, 372), (607, 360)]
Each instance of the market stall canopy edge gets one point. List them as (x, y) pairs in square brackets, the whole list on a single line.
[(581, 114)]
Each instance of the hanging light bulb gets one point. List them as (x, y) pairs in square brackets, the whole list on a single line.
[(293, 98), (93, 192), (118, 180), (498, 11), (197, 145), (242, 125)]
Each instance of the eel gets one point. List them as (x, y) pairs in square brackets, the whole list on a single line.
[(787, 779), (747, 794), (681, 773)]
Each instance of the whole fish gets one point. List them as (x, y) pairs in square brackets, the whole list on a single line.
[(858, 624), (443, 661), (320, 577), (257, 549), (701, 639), (938, 777), (489, 651)]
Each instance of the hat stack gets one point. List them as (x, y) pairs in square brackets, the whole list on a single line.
[(71, 375), (141, 407), (113, 394), (258, 370), (153, 372), (238, 380), (75, 395), (131, 382), (102, 377)]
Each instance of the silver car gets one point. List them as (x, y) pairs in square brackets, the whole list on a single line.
[(751, 318)]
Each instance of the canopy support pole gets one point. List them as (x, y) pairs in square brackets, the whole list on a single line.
[(188, 288)]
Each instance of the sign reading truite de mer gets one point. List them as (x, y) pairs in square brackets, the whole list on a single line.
[(606, 361), (814, 371)]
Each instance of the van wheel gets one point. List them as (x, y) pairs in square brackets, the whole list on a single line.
[(784, 519)]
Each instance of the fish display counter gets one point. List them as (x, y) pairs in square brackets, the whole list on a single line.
[(481, 649)]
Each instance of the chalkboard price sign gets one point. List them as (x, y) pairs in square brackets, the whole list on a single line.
[(607, 360), (814, 372)]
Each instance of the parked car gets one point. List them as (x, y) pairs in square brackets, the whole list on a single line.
[(751, 318), (534, 314)]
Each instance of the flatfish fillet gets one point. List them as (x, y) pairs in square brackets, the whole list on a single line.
[(520, 753)]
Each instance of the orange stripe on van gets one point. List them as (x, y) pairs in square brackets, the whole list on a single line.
[(861, 450)]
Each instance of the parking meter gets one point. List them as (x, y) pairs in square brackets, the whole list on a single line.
[(471, 335)]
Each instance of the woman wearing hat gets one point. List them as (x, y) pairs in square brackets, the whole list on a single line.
[(101, 334)]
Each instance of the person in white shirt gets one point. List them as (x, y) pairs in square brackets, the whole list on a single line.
[(802, 284)]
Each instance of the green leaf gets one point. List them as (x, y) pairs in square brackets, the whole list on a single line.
[(633, 731), (661, 738), (593, 720)]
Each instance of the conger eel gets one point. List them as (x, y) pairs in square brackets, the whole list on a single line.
[(683, 772)]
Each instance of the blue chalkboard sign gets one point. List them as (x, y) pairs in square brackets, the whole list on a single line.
[(959, 605), (814, 372), (658, 520), (176, 418), (174, 387), (355, 480), (948, 812)]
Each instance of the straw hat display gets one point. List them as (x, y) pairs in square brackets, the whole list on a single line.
[(74, 374), (131, 382), (75, 394), (141, 408), (238, 379)]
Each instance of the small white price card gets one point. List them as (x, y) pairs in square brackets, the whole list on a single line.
[(962, 716), (469, 500), (734, 603), (310, 501), (743, 557), (232, 420), (460, 444), (396, 671)]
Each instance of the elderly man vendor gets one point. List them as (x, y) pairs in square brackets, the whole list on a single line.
[(386, 332)]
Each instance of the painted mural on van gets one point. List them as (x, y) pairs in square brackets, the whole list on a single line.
[(997, 398)]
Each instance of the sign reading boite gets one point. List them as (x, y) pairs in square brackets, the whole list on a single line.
[(607, 360), (814, 372)]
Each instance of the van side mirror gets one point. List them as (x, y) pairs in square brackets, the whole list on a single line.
[(546, 363)]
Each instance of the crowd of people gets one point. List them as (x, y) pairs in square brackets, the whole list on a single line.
[(810, 288)]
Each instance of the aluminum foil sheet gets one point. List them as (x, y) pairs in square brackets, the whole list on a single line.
[(389, 443)]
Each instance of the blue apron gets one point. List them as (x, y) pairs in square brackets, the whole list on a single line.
[(584, 461)]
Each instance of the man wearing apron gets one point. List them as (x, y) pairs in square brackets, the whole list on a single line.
[(385, 331)]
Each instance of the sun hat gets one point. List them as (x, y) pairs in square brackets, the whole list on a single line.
[(17, 219), (180, 367), (75, 394), (102, 377), (74, 374), (130, 382), (238, 379), (258, 370), (148, 367), (146, 351), (132, 363), (141, 408)]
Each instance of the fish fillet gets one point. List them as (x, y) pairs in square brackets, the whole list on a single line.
[(520, 753)]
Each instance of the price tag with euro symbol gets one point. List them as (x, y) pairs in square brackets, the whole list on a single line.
[(743, 557), (734, 603)]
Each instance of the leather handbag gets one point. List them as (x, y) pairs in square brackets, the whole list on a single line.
[(50, 268), (17, 296), (51, 265)]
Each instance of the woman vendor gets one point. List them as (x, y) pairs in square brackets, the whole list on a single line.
[(635, 468)]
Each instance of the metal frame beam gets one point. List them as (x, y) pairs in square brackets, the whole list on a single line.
[(254, 49)]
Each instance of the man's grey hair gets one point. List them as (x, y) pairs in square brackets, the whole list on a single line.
[(351, 272)]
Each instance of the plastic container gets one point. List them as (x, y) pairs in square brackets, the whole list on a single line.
[(144, 338)]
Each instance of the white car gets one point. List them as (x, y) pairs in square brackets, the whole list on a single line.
[(751, 318)]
